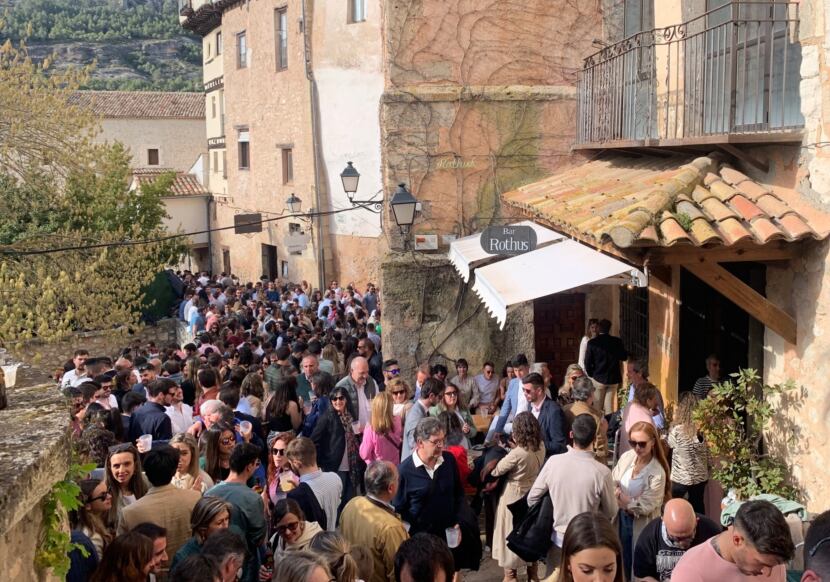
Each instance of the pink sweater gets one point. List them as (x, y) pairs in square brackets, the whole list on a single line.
[(632, 414), (375, 446)]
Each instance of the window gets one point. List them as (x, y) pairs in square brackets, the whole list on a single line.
[(219, 43), (639, 16), (224, 164), (282, 38), (153, 157), (213, 106), (294, 228), (285, 269), (215, 161), (287, 165), (244, 150), (241, 51), (357, 11), (207, 51)]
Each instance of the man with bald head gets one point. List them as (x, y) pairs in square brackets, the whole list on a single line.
[(665, 539), (361, 388), (309, 366)]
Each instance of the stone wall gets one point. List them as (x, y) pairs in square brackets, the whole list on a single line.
[(430, 315), (34, 455), (47, 357)]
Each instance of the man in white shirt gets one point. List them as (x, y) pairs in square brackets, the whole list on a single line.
[(181, 414), (77, 375)]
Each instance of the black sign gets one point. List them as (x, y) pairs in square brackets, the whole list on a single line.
[(508, 240), (247, 223)]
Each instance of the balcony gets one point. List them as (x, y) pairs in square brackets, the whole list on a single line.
[(728, 76)]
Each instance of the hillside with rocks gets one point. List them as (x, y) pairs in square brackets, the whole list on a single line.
[(135, 44)]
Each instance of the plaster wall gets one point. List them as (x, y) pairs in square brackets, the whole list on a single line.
[(188, 214), (180, 141), (348, 68)]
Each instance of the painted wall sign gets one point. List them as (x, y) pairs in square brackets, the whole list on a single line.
[(508, 240), (247, 223)]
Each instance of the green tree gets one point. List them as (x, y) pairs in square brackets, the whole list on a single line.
[(69, 192)]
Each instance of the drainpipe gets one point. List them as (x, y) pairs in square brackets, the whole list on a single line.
[(312, 85), (209, 199)]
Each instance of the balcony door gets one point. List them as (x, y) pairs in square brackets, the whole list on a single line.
[(638, 105), (752, 67)]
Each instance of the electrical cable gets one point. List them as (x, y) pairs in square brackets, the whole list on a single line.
[(129, 243)]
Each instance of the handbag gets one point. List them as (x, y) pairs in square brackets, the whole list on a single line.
[(532, 528)]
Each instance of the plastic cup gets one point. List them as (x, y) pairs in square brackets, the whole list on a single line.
[(357, 428), (245, 427), (307, 408), (145, 442), (11, 374), (453, 536)]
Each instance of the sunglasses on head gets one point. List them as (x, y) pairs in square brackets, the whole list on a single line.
[(638, 444)]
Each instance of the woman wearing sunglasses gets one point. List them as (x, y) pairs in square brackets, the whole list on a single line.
[(642, 485), (218, 443), (453, 404), (292, 532), (90, 518), (401, 397), (337, 446), (280, 478), (573, 372)]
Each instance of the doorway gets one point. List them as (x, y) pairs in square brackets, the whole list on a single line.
[(226, 260), (269, 262), (711, 324), (558, 322)]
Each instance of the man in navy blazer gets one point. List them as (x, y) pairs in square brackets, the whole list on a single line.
[(547, 412)]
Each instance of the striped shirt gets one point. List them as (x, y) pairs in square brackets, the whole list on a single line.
[(327, 488), (690, 457), (702, 386)]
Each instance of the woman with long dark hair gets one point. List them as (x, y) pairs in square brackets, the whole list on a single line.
[(282, 412), (217, 443), (124, 479), (591, 551), (91, 517), (128, 558), (521, 466)]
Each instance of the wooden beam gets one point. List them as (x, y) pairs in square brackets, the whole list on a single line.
[(747, 299), (689, 256), (745, 157)]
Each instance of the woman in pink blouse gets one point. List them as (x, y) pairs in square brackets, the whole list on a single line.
[(382, 438)]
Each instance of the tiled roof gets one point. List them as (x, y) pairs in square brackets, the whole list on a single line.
[(654, 201), (142, 104), (183, 185)]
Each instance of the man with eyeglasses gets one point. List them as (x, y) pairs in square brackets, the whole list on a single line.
[(248, 512), (488, 389), (817, 550), (756, 546), (429, 491), (666, 539), (151, 417)]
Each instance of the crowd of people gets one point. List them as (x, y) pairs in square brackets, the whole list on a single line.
[(278, 444)]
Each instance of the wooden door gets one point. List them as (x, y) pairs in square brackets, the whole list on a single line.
[(559, 324)]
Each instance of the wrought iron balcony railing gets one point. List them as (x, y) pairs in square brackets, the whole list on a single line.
[(730, 75)]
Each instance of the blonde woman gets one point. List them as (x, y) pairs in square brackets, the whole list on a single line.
[(331, 354), (253, 390), (188, 475), (591, 331), (573, 372), (690, 458), (383, 436), (401, 397)]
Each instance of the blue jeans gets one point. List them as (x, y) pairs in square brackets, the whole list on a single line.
[(626, 528)]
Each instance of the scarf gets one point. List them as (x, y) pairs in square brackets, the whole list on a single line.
[(352, 450)]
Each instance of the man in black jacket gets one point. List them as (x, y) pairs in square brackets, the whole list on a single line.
[(603, 359), (150, 417), (547, 412)]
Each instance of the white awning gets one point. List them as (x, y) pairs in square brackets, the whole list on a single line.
[(467, 253), (561, 266)]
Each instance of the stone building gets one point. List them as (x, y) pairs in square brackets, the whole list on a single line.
[(292, 94), (164, 132)]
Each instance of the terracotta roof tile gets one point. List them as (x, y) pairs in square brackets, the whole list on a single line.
[(183, 184), (142, 104), (646, 201)]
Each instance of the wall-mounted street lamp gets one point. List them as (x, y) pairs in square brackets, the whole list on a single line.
[(403, 203), (294, 205)]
